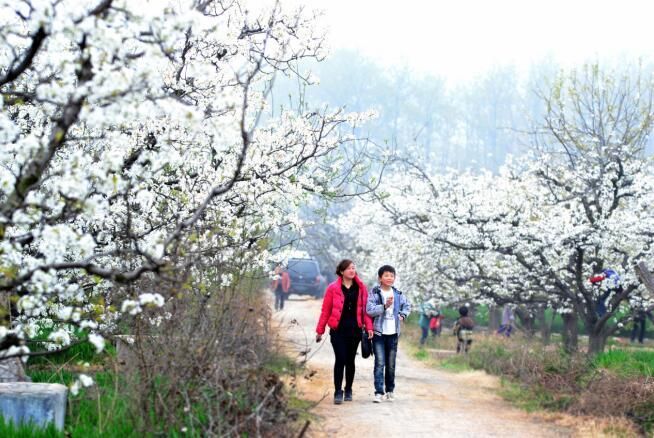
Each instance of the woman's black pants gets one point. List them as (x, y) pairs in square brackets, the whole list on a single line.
[(345, 350)]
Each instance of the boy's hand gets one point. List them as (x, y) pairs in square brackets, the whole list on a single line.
[(401, 317), (370, 334), (389, 302), (318, 338)]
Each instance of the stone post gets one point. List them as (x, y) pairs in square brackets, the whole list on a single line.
[(39, 404)]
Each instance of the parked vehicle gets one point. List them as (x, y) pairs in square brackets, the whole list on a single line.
[(306, 278)]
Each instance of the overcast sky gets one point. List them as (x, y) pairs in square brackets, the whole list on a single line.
[(461, 38)]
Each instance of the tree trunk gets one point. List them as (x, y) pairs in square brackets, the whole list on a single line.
[(596, 342), (544, 325), (526, 321), (570, 332), (494, 318), (645, 276)]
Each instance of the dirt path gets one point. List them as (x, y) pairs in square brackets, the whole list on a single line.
[(428, 402)]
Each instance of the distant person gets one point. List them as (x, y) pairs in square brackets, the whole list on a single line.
[(436, 323), (607, 282), (343, 310), (280, 285), (389, 307), (463, 330), (640, 322), (508, 320), (427, 310)]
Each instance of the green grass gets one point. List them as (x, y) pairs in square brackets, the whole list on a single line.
[(627, 363), (301, 408), (82, 352), (48, 376), (421, 355), (99, 411), (456, 364), (532, 398), (281, 364), (10, 430)]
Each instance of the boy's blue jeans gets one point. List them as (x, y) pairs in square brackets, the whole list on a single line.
[(385, 349)]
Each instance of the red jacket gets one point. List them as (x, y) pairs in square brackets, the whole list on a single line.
[(597, 278), (332, 306), (286, 282)]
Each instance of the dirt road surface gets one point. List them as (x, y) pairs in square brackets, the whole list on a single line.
[(429, 402)]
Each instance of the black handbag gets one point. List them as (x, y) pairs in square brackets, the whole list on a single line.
[(366, 344)]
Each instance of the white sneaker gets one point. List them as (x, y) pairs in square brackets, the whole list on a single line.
[(378, 398), (390, 397)]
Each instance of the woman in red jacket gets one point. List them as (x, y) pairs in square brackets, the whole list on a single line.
[(344, 311)]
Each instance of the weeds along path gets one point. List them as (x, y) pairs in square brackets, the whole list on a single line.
[(428, 402)]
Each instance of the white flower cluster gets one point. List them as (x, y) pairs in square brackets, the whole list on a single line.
[(82, 381)]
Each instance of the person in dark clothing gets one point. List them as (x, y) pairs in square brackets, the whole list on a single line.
[(427, 311), (463, 330), (280, 286), (343, 311), (640, 322)]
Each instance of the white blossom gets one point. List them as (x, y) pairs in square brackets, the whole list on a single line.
[(97, 341)]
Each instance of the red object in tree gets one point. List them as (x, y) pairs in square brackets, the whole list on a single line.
[(597, 278)]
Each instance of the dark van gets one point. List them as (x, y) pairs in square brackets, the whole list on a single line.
[(306, 278)]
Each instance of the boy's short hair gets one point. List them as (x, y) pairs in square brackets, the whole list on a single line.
[(463, 311), (385, 268)]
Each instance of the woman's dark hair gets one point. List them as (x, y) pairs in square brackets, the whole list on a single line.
[(463, 311), (385, 268), (342, 266)]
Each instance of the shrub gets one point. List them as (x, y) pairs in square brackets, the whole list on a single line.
[(209, 370), (203, 365), (617, 382)]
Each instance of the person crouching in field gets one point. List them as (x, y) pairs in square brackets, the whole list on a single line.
[(343, 310), (388, 306)]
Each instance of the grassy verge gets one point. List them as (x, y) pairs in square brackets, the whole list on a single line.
[(100, 410), (103, 410), (299, 409), (627, 363), (536, 378)]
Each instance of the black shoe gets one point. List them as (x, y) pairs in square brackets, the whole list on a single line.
[(338, 397), (348, 395)]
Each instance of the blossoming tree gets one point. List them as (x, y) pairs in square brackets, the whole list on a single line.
[(535, 233), (135, 137)]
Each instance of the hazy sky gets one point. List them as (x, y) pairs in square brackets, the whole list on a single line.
[(461, 38)]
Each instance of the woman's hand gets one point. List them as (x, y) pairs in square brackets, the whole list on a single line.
[(318, 337), (370, 334)]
